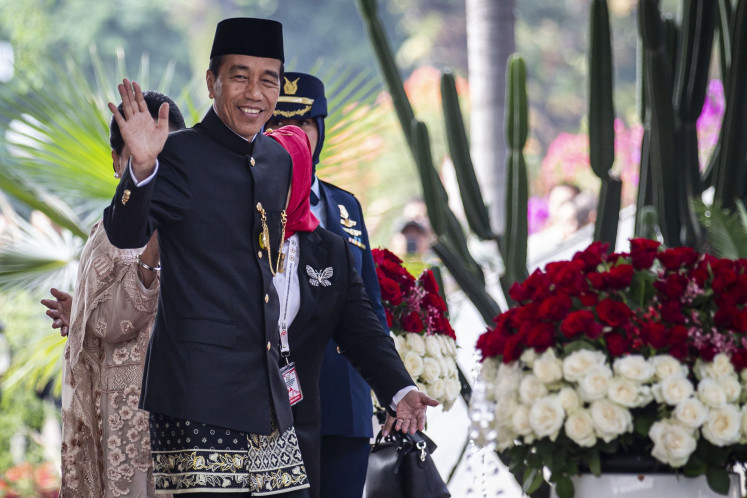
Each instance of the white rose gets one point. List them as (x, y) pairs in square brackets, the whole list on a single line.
[(595, 384), (668, 366), (723, 426), (673, 390), (743, 375), (743, 439), (634, 367), (421, 387), (576, 364), (445, 341), (504, 410), (673, 444), (531, 389), (719, 367), (451, 367), (436, 388), (690, 413), (579, 428), (548, 368), (507, 379), (432, 346), (452, 388), (546, 417), (520, 421), (610, 419), (414, 364), (400, 344), (628, 393), (431, 369), (569, 399), (711, 393), (731, 387), (528, 357), (416, 343)]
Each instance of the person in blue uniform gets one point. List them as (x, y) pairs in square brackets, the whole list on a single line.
[(345, 397)]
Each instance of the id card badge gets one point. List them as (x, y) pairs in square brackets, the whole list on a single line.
[(291, 382)]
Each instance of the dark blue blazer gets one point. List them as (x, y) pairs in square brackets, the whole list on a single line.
[(345, 396)]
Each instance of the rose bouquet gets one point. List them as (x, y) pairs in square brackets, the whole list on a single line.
[(643, 352), (417, 317)]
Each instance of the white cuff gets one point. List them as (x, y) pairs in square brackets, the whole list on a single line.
[(144, 182), (401, 394)]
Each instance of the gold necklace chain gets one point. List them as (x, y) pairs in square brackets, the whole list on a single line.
[(264, 241)]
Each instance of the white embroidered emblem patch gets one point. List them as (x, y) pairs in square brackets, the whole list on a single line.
[(321, 277)]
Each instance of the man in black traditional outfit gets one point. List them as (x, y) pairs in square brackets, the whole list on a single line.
[(220, 415)]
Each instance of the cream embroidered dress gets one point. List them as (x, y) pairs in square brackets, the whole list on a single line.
[(106, 446)]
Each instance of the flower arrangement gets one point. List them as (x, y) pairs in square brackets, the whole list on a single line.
[(417, 317), (610, 354), (27, 480)]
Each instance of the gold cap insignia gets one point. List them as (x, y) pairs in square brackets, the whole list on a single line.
[(290, 87)]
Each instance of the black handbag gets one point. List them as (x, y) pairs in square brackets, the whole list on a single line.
[(400, 466)]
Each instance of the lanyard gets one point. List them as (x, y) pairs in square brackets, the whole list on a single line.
[(284, 299)]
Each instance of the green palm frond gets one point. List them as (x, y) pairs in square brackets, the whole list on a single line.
[(36, 257), (726, 231), (36, 364), (354, 119)]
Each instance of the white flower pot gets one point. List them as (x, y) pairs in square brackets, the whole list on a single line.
[(647, 486)]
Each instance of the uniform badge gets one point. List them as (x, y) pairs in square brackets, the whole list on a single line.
[(345, 218), (125, 197), (320, 277), (290, 87)]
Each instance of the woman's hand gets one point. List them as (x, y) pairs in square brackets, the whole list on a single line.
[(59, 310)]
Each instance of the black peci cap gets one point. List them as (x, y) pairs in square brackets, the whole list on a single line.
[(301, 97), (249, 36)]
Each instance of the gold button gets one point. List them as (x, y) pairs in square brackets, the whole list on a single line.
[(251, 161), (259, 254), (267, 298), (259, 207), (268, 346)]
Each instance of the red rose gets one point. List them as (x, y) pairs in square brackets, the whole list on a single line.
[(390, 290), (491, 344), (671, 311), (673, 287), (540, 336), (643, 252), (525, 315), (428, 281), (655, 333), (723, 275), (619, 277), (580, 322), (512, 348), (555, 308), (592, 256), (445, 327), (567, 277), (597, 280), (535, 287), (412, 322), (389, 318), (435, 301), (613, 312), (677, 335), (677, 257), (679, 351), (708, 352), (589, 299), (617, 345), (730, 317), (380, 255), (739, 359)]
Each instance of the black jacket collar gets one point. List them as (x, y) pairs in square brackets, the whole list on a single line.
[(222, 134)]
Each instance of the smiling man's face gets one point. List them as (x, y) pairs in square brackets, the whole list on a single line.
[(245, 92)]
